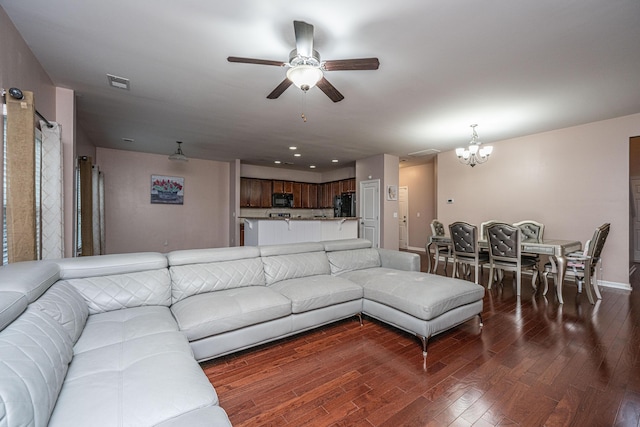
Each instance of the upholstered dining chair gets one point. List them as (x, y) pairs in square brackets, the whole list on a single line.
[(582, 266), (532, 231), (437, 229), (464, 240), (505, 254)]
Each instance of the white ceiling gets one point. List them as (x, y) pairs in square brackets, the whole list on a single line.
[(513, 67)]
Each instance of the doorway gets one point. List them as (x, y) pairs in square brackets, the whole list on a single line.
[(634, 202), (403, 218), (370, 211)]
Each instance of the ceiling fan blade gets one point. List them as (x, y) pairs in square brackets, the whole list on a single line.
[(281, 88), (304, 38), (255, 61), (329, 90), (352, 64)]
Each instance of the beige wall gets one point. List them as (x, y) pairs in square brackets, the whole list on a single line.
[(384, 167), (266, 172), (133, 224), (20, 68), (572, 180), (420, 181), (634, 157)]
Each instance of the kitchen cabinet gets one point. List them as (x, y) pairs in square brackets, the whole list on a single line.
[(245, 192), (313, 196), (255, 193), (265, 193), (278, 186), (297, 194)]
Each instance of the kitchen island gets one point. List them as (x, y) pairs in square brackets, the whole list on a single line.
[(274, 231)]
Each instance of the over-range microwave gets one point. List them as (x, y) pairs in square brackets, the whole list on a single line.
[(282, 200)]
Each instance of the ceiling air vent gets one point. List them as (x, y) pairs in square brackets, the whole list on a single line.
[(427, 152), (118, 82)]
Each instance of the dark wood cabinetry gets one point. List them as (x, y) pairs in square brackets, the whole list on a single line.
[(256, 193)]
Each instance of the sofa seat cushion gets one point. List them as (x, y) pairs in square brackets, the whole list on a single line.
[(422, 295), (113, 327), (137, 382), (310, 293), (213, 313), (212, 416)]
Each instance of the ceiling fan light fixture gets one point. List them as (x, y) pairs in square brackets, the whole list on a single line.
[(304, 76), (179, 155)]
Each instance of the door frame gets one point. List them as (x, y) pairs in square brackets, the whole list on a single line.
[(404, 189)]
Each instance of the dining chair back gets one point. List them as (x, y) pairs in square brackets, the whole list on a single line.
[(532, 231), (504, 242), (583, 266), (441, 250), (464, 238)]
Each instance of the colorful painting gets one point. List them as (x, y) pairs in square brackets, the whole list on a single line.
[(167, 190)]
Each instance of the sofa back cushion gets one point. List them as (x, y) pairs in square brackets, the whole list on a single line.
[(35, 352), (197, 271), (65, 304), (353, 259), (114, 282), (12, 304), (31, 278), (195, 279), (293, 261)]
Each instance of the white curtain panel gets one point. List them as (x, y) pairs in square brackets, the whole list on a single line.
[(52, 193)]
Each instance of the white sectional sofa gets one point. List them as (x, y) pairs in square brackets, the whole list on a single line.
[(116, 339)]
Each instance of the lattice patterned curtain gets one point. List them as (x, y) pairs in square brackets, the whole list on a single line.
[(52, 199), (20, 179)]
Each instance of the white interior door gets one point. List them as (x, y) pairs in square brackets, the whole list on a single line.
[(403, 218), (635, 191), (370, 211)]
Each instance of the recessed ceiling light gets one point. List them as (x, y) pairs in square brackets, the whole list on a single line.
[(334, 161), (293, 148), (312, 166), (297, 155), (277, 162)]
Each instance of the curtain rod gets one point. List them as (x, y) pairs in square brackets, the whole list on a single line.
[(17, 94)]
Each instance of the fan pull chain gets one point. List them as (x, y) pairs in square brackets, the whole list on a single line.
[(302, 116)]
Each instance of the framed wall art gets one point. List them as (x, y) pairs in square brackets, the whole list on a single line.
[(392, 192), (167, 190)]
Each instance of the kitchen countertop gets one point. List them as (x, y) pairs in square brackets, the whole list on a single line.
[(280, 218)]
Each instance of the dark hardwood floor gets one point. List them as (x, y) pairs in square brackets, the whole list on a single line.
[(535, 363)]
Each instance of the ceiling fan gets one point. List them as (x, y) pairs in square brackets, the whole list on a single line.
[(306, 68)]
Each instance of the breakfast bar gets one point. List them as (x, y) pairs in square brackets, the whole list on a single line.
[(278, 230)]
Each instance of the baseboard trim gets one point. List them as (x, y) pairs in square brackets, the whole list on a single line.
[(416, 249), (615, 285)]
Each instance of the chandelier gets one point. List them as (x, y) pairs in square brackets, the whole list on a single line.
[(475, 153)]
